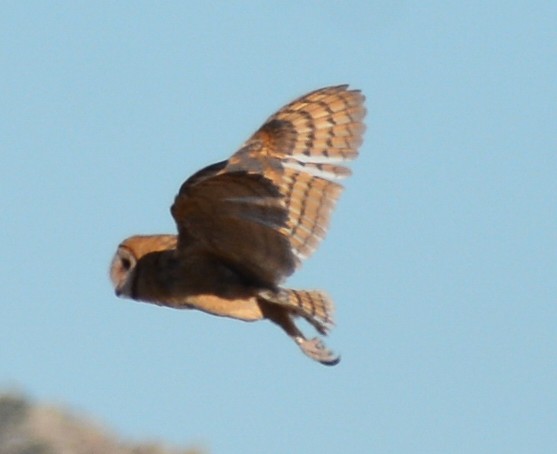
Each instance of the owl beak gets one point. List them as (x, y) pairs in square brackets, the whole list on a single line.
[(117, 291)]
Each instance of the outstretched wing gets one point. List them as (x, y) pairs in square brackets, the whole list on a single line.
[(268, 207)]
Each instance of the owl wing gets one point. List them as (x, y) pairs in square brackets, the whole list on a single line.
[(267, 208)]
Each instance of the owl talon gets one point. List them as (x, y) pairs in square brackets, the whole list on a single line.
[(316, 349)]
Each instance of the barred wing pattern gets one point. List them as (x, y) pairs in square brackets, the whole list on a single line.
[(268, 207), (304, 144)]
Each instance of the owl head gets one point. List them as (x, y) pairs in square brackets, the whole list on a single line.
[(129, 253)]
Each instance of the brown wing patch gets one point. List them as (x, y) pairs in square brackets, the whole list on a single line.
[(238, 218)]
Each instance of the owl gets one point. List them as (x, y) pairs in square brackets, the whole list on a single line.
[(247, 223)]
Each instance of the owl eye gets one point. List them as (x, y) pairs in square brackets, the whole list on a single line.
[(126, 263)]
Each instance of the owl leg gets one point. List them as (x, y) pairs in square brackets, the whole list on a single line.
[(314, 348)]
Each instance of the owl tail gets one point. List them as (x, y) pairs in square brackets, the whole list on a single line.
[(313, 305)]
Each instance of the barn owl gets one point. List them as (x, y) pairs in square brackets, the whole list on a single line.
[(247, 223)]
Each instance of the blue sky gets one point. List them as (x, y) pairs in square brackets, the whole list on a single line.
[(442, 254)]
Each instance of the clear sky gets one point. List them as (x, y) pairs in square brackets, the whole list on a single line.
[(442, 254)]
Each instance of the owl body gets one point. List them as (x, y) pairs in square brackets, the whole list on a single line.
[(247, 223), (196, 281)]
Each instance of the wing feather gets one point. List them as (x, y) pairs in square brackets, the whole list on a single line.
[(268, 207)]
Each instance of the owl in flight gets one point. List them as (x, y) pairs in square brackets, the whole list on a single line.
[(247, 223)]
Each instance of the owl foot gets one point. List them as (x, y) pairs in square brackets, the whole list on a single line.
[(316, 349)]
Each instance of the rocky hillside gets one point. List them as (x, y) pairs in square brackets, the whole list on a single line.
[(26, 428)]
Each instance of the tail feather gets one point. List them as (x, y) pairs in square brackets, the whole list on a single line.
[(313, 305)]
